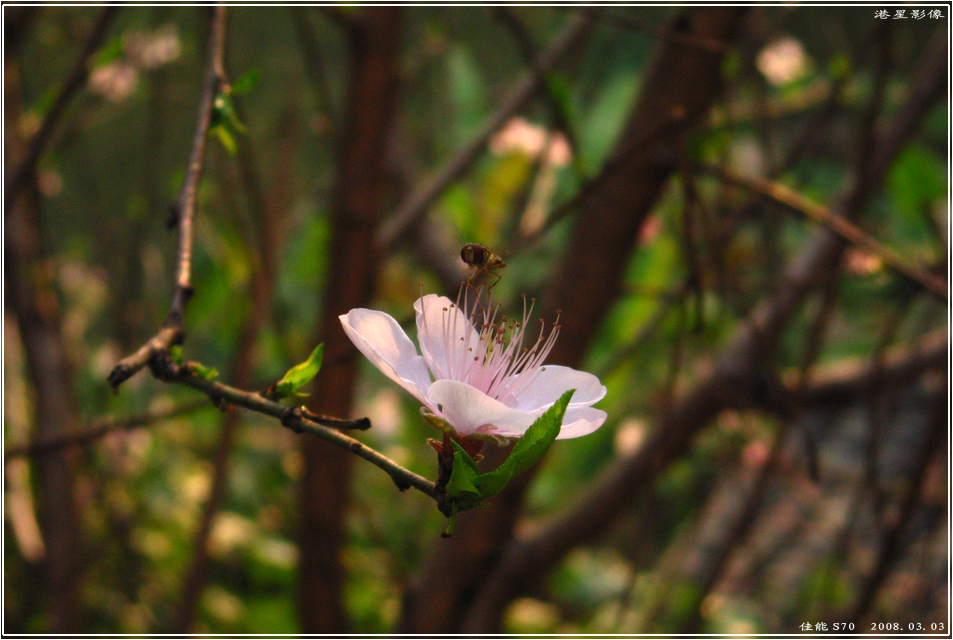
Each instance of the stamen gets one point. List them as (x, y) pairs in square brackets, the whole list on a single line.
[(498, 364)]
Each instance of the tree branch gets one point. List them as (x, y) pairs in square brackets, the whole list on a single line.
[(74, 82), (932, 447), (173, 332), (739, 377), (262, 242), (97, 430), (681, 83), (708, 44), (792, 201), (362, 187), (420, 200), (845, 380), (299, 420)]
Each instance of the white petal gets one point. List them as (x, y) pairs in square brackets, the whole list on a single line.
[(581, 421), (444, 334), (380, 338), (551, 381), (470, 410)]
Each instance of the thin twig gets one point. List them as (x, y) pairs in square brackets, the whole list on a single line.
[(74, 82), (795, 202), (729, 383), (173, 332), (846, 380), (261, 244), (687, 39), (931, 448), (528, 52), (300, 421), (692, 248), (616, 163), (314, 63), (99, 429), (420, 200), (626, 352)]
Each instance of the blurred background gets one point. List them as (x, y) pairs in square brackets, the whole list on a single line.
[(741, 213)]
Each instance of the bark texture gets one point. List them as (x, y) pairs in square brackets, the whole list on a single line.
[(353, 263), (680, 87)]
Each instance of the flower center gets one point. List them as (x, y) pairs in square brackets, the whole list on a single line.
[(495, 360)]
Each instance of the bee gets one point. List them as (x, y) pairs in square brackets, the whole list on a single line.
[(480, 260)]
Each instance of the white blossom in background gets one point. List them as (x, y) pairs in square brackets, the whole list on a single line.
[(479, 374), (142, 50), (114, 81), (150, 50), (783, 61), (518, 135)]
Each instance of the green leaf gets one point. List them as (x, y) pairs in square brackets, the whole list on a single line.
[(246, 83), (209, 373), (175, 353), (226, 138), (468, 488), (300, 374), (224, 122), (109, 52), (462, 486)]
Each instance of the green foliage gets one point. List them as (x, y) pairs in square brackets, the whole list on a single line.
[(246, 83), (209, 373), (468, 488), (605, 117), (466, 92), (225, 124), (917, 184), (300, 375)]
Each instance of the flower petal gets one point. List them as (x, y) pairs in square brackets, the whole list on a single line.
[(445, 335), (470, 410), (384, 343), (581, 421), (552, 381)]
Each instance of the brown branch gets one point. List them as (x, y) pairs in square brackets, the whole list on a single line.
[(680, 83), (298, 420), (361, 189), (890, 550), (97, 430), (173, 332), (74, 82), (707, 44), (529, 55), (420, 200), (313, 61), (846, 380), (262, 243), (792, 201), (740, 377)]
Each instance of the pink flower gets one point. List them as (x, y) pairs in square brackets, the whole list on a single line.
[(475, 374)]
